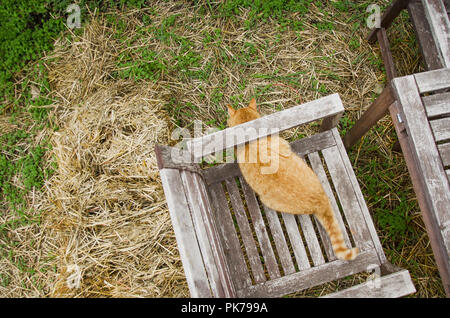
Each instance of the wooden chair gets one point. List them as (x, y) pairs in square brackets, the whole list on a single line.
[(431, 26), (233, 246), (431, 22), (420, 111)]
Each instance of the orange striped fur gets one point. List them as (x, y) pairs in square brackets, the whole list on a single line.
[(293, 187)]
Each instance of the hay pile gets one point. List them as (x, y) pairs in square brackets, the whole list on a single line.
[(104, 208), (106, 200)]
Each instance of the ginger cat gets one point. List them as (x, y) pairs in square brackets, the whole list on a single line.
[(293, 187)]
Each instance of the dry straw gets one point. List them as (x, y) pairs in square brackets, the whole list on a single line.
[(105, 229), (104, 208)]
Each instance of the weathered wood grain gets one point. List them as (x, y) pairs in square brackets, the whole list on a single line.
[(230, 241), (171, 157), (348, 199), (221, 172), (444, 152), (311, 239), (188, 246), (207, 235), (314, 143), (359, 196), (440, 27), (280, 241), (422, 30), (260, 230), (441, 128), (245, 231), (310, 277), (386, 54), (433, 80), (398, 284), (316, 165), (296, 241), (429, 219), (214, 237), (430, 182), (437, 104), (428, 159)]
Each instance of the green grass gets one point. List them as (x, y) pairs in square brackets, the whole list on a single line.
[(390, 214), (20, 156), (263, 10), (380, 175), (27, 32), (28, 29)]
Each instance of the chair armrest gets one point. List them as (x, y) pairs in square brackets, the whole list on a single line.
[(397, 284)]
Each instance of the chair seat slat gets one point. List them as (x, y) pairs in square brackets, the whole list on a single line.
[(311, 239), (437, 104), (296, 241), (348, 199), (231, 245), (261, 231), (432, 80), (245, 231), (280, 241), (444, 152), (316, 165), (441, 128)]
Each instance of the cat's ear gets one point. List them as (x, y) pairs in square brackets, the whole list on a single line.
[(252, 104), (231, 110)]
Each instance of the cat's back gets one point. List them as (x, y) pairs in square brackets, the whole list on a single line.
[(269, 163)]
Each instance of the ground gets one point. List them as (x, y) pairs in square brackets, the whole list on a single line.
[(81, 196)]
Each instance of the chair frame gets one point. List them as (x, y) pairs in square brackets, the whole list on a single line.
[(431, 22), (420, 121)]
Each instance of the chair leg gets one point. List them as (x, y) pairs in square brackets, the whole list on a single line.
[(396, 146), (330, 122), (389, 268), (386, 54), (389, 15), (374, 113)]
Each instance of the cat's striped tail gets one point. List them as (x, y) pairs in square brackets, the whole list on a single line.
[(333, 230)]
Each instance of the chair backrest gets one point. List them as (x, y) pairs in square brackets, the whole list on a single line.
[(437, 17), (328, 108)]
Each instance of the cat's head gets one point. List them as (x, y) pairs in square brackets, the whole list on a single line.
[(242, 115)]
